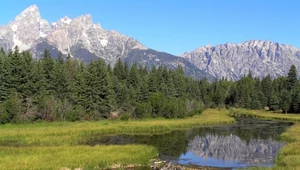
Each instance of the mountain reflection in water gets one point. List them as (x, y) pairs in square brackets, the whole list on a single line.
[(230, 151), (248, 142)]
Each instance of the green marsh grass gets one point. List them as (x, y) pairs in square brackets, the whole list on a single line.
[(58, 145), (84, 157), (262, 114)]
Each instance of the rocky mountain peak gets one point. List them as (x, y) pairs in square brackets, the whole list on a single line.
[(87, 21), (236, 60), (260, 44), (26, 28), (65, 20), (85, 18), (78, 36), (31, 9), (31, 13)]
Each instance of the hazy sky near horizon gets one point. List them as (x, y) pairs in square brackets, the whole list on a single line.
[(177, 26)]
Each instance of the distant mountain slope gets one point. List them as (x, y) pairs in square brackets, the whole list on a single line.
[(235, 60), (151, 57)]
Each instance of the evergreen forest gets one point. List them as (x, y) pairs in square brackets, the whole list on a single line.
[(65, 89)]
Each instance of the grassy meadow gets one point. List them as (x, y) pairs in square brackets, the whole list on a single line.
[(72, 157), (289, 155), (59, 145)]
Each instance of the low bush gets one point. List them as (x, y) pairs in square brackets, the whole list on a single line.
[(125, 116)]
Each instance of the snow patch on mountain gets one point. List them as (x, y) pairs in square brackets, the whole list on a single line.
[(14, 27), (104, 42), (66, 20)]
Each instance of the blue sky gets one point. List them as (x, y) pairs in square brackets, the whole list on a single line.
[(176, 26)]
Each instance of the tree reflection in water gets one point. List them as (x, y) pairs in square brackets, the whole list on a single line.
[(249, 142)]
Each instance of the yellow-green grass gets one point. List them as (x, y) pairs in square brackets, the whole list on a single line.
[(60, 145), (289, 155), (71, 157), (72, 133), (267, 115)]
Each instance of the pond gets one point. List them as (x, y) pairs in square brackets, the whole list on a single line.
[(249, 142)]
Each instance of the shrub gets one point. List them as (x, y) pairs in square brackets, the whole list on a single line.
[(158, 101), (66, 111), (29, 112), (125, 116), (180, 106), (11, 108), (143, 110), (76, 114), (213, 105), (4, 117), (47, 108)]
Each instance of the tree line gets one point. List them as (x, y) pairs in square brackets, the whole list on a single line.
[(70, 90)]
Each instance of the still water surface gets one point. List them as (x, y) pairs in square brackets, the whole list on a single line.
[(249, 142)]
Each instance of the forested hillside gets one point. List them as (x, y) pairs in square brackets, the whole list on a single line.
[(69, 90)]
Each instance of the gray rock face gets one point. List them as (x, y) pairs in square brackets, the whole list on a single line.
[(30, 32), (235, 60), (27, 28), (232, 148)]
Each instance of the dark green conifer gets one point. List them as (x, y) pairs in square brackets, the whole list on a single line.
[(292, 78)]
